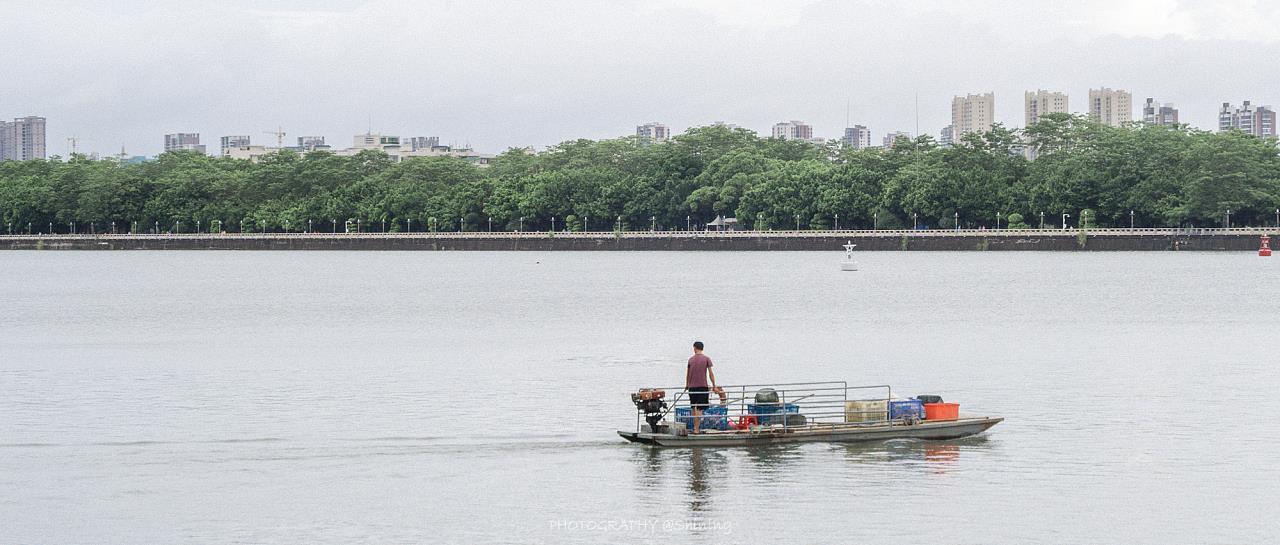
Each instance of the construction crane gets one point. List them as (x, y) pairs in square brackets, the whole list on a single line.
[(74, 143), (279, 132)]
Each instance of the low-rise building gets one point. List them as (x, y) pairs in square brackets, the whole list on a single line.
[(857, 137), (183, 141), (1159, 114), (892, 138), (238, 141), (793, 130), (423, 142), (653, 132), (311, 143), (365, 142)]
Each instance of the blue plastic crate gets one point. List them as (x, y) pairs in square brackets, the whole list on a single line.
[(714, 417), (905, 408)]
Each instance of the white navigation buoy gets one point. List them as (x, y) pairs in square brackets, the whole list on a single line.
[(849, 264)]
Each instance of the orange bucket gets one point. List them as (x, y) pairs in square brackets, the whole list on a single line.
[(941, 411)]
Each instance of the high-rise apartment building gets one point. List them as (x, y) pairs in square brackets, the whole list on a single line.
[(857, 137), (946, 137), (423, 142), (237, 141), (1041, 102), (1258, 121), (793, 130), (653, 132), (891, 138), (22, 139), (972, 113), (311, 143), (1159, 114), (183, 141), (1113, 107)]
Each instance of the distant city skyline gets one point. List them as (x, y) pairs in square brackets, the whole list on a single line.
[(973, 111), (513, 75)]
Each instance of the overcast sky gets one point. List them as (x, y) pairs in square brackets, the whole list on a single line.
[(526, 73)]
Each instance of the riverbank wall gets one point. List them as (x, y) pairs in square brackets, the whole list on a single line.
[(1236, 239)]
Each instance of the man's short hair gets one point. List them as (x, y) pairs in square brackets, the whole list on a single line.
[(697, 344)]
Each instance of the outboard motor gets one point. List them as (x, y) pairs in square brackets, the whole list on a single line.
[(649, 401)]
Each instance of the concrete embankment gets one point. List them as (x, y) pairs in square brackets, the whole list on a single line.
[(1030, 240)]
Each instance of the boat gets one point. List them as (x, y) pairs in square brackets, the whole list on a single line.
[(849, 264), (810, 412)]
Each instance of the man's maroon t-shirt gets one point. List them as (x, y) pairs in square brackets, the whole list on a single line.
[(697, 374)]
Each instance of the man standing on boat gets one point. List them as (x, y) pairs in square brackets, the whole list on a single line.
[(695, 382)]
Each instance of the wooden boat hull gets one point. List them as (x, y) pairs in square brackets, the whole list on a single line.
[(945, 429)]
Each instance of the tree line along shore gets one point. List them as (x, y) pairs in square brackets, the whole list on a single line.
[(1141, 175)]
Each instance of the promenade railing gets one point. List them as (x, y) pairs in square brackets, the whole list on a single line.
[(804, 233)]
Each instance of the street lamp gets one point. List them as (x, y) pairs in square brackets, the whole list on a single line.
[(490, 224), (997, 221), (837, 222), (1042, 220), (875, 216), (797, 222), (1278, 217), (521, 229), (1084, 219), (158, 226), (653, 223), (586, 223), (619, 224), (915, 222), (957, 216), (335, 225), (687, 223), (198, 225), (384, 225), (1064, 220), (308, 226), (1228, 218), (553, 224), (460, 223), (1131, 220)]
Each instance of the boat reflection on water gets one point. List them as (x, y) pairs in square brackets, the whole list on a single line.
[(939, 455), (700, 470)]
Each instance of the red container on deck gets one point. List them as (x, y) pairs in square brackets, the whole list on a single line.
[(941, 411)]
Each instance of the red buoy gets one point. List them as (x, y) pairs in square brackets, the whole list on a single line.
[(1265, 250)]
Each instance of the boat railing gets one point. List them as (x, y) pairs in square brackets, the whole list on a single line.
[(820, 403)]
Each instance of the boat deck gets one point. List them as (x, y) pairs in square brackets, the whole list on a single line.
[(813, 433)]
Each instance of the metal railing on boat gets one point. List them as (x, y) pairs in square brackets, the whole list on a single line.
[(822, 404)]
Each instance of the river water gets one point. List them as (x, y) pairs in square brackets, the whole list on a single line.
[(362, 397)]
